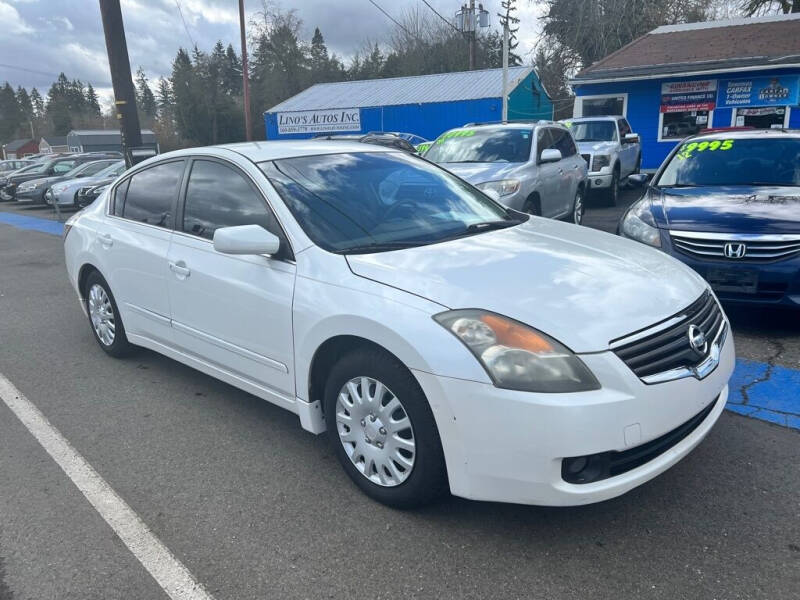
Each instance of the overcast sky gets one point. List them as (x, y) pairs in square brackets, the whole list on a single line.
[(41, 38)]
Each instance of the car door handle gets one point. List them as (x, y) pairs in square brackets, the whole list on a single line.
[(180, 269), (106, 240)]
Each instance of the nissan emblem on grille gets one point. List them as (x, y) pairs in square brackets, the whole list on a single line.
[(735, 250), (697, 340)]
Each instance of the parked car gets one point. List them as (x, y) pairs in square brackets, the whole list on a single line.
[(34, 191), (8, 166), (53, 167), (8, 180), (66, 193), (728, 205), (532, 167), (441, 339), (611, 150), (391, 140)]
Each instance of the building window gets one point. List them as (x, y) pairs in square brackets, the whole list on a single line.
[(678, 125), (764, 117), (596, 106)]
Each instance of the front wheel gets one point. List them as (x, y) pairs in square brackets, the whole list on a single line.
[(577, 207), (612, 194), (382, 430)]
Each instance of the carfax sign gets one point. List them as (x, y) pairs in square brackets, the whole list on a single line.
[(320, 121), (759, 91), (685, 96)]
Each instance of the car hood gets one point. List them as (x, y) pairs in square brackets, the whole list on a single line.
[(581, 286), (596, 147), (477, 173), (742, 209)]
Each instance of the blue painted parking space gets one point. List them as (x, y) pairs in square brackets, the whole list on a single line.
[(32, 223), (758, 390)]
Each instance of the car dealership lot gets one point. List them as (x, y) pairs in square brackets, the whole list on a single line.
[(255, 507)]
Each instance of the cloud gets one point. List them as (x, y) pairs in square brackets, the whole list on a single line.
[(12, 22)]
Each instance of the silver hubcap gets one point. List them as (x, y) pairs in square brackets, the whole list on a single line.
[(102, 314), (577, 212), (375, 431)]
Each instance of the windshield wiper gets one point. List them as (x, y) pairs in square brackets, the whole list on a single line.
[(379, 247), (490, 225)]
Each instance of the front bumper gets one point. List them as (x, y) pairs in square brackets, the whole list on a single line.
[(778, 282), (509, 446), (599, 180), (30, 197)]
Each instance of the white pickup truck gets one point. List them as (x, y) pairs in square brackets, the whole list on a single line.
[(611, 151)]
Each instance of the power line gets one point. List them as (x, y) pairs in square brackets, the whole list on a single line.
[(28, 70), (438, 14), (180, 12), (388, 16)]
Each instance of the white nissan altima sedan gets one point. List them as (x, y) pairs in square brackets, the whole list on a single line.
[(443, 341)]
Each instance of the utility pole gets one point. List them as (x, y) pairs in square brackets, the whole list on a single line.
[(505, 71), (120, 65), (245, 75), (469, 20)]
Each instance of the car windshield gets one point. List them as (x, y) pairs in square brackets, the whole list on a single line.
[(593, 131), (484, 145), (720, 162), (372, 202)]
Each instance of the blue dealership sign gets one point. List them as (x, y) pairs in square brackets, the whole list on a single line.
[(759, 91)]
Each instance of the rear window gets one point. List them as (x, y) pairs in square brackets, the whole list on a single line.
[(482, 145), (721, 162)]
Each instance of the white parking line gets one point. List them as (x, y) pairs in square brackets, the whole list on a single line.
[(174, 578)]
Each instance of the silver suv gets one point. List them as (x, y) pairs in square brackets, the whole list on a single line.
[(611, 150), (530, 166)]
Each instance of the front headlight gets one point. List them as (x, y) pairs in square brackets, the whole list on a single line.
[(639, 224), (599, 161), (518, 357), (503, 187)]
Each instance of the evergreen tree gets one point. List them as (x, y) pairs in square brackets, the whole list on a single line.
[(58, 110), (509, 19), (38, 103), (92, 102), (232, 72), (9, 113), (145, 99)]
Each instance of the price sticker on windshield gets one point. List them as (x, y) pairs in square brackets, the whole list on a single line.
[(689, 150), (455, 134)]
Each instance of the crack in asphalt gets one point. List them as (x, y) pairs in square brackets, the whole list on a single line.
[(771, 364)]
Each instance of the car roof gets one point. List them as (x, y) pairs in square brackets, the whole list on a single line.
[(598, 118), (276, 150), (743, 134)]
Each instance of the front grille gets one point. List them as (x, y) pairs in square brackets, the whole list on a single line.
[(596, 467), (665, 346), (740, 248), (588, 159)]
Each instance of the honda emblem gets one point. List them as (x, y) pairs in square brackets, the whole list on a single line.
[(734, 250)]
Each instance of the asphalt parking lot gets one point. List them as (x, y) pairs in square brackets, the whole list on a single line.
[(254, 507)]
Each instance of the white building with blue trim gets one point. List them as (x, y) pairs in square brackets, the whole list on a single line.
[(678, 80)]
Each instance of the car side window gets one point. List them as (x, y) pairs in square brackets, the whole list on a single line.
[(119, 197), (151, 194), (543, 141), (63, 167), (624, 128), (562, 141), (219, 196)]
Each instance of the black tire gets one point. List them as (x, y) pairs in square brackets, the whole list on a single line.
[(120, 346), (427, 481), (578, 208), (612, 194)]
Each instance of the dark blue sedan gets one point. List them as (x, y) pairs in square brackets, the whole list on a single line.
[(728, 205)]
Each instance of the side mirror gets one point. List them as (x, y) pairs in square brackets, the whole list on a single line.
[(550, 155), (639, 178), (246, 239), (631, 138)]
